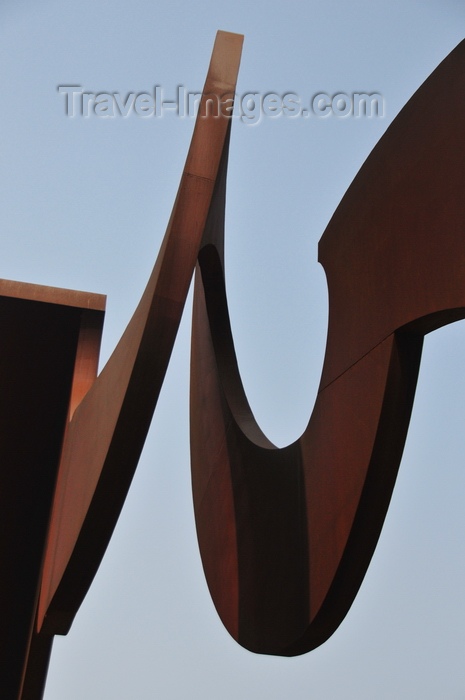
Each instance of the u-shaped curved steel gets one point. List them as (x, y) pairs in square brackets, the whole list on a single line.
[(286, 535)]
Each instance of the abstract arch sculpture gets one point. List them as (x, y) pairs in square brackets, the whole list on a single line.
[(286, 535)]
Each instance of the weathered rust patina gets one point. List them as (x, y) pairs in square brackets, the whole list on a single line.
[(286, 535)]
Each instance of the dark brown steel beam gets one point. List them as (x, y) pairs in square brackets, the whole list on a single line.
[(56, 404), (45, 335)]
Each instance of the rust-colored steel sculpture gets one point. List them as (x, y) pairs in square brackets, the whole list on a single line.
[(107, 421), (286, 535), (48, 359)]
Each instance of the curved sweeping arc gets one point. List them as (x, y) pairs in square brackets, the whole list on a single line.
[(106, 433), (286, 535)]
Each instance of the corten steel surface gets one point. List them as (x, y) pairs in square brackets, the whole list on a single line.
[(48, 359), (286, 535), (107, 427), (105, 437), (49, 355)]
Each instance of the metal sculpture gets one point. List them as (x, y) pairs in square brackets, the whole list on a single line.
[(108, 416), (286, 534)]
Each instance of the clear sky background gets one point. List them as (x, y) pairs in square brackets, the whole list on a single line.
[(85, 203)]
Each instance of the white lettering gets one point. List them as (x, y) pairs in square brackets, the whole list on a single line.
[(70, 91)]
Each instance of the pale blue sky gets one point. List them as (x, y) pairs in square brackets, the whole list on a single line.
[(85, 205)]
